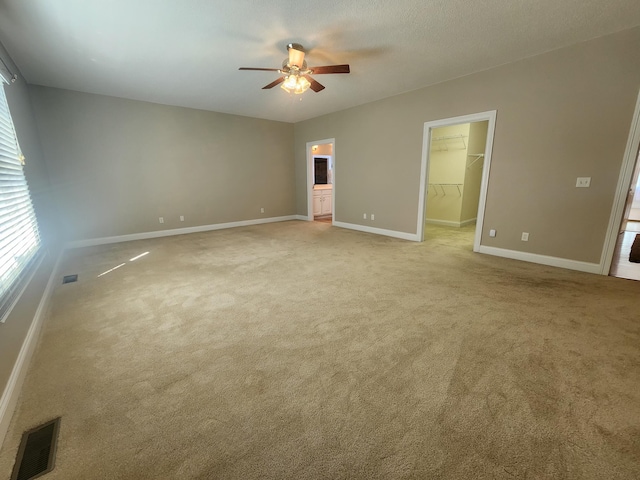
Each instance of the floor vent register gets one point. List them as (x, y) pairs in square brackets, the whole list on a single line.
[(36, 455), (70, 278)]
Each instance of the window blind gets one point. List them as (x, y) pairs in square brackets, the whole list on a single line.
[(19, 236)]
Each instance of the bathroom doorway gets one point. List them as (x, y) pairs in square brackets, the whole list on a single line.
[(321, 181)]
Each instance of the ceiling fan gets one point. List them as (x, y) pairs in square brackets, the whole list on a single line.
[(296, 76)]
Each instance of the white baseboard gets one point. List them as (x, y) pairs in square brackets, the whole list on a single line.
[(378, 231), (302, 217), (9, 398), (542, 259), (446, 223), (177, 231), (450, 223)]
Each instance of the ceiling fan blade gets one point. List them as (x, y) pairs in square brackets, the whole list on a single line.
[(330, 69), (315, 85), (273, 84), (261, 69)]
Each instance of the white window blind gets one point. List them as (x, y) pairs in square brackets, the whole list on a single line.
[(19, 236)]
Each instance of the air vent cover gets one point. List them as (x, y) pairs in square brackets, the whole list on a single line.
[(70, 278), (36, 455)]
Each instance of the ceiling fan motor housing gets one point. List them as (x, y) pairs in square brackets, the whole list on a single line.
[(295, 69), (296, 46)]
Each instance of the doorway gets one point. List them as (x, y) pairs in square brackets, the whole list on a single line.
[(321, 180), (456, 159), (625, 263), (614, 250)]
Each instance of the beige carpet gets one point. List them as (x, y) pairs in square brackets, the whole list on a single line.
[(303, 351)]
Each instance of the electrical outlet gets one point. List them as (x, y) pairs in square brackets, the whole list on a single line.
[(492, 233), (373, 217), (583, 182), (161, 219), (525, 236), (364, 215), (182, 218), (262, 210)]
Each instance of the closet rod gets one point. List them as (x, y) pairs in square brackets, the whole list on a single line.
[(450, 137), (460, 137), (442, 185)]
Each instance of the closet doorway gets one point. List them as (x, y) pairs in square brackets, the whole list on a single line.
[(321, 180), (456, 158)]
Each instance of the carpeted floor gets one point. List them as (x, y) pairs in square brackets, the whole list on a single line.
[(303, 351)]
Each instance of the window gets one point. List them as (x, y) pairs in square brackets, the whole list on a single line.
[(19, 236)]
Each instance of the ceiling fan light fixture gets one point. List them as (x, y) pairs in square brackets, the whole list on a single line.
[(296, 76), (290, 83), (295, 84), (302, 85)]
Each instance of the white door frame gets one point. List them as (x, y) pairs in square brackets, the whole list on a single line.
[(624, 184), (489, 116), (310, 167)]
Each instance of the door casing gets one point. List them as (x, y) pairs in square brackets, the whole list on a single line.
[(310, 168), (624, 183), (489, 116)]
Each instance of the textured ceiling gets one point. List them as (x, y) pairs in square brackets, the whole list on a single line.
[(188, 52)]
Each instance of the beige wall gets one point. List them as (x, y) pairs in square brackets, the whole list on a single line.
[(473, 171), (14, 331), (117, 165), (560, 115)]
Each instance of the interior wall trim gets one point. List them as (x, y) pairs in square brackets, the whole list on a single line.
[(34, 269), (450, 223), (9, 398), (622, 189), (542, 259), (488, 116), (91, 242), (310, 156), (378, 231)]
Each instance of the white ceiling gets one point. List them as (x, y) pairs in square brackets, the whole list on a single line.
[(187, 52)]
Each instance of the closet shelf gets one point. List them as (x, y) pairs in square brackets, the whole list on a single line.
[(450, 139), (477, 156), (442, 185)]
